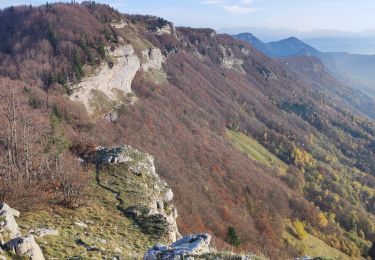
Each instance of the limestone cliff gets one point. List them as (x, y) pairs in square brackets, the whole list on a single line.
[(106, 87), (103, 89)]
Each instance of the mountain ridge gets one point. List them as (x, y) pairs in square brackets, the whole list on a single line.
[(210, 84), (325, 40), (352, 69)]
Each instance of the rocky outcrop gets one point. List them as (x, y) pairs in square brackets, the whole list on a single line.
[(41, 232), (154, 212), (193, 247), (119, 24), (152, 58), (188, 246), (108, 83), (166, 29), (105, 88), (267, 73), (229, 61), (8, 222), (11, 237), (26, 246)]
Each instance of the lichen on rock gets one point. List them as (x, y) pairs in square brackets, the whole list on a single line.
[(187, 246), (153, 211), (11, 237), (193, 247)]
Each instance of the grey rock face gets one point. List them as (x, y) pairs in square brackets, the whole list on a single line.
[(229, 61), (111, 155), (25, 246), (185, 248), (28, 247), (8, 222), (106, 80)]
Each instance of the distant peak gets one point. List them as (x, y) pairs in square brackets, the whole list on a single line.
[(294, 39), (247, 35)]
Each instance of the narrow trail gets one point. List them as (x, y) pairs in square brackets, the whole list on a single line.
[(117, 195), (147, 224)]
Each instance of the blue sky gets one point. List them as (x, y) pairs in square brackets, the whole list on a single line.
[(345, 15)]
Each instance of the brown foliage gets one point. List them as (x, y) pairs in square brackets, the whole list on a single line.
[(32, 171), (183, 122), (39, 44)]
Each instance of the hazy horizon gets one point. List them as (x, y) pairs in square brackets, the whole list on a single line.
[(298, 15), (269, 20)]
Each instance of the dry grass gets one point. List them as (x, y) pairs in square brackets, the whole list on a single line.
[(108, 234)]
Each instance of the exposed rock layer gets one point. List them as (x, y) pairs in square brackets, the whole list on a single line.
[(108, 81)]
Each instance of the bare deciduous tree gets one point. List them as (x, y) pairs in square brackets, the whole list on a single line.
[(35, 166)]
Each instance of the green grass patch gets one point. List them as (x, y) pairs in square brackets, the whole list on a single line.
[(100, 102), (109, 233), (131, 35), (312, 246), (255, 150)]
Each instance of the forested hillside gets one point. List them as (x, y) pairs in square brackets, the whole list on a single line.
[(258, 154), (352, 69)]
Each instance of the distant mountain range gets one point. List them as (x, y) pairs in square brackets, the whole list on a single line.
[(325, 40), (353, 69)]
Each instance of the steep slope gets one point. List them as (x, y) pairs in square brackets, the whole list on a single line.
[(352, 69), (206, 84), (359, 68), (291, 47), (101, 229), (314, 72), (285, 48), (254, 41), (189, 73)]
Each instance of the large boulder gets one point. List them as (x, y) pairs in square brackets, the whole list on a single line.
[(8, 222), (27, 246), (187, 246), (11, 237)]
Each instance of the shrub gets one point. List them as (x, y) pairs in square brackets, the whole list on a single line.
[(233, 237), (302, 158), (34, 161), (300, 229), (322, 220)]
